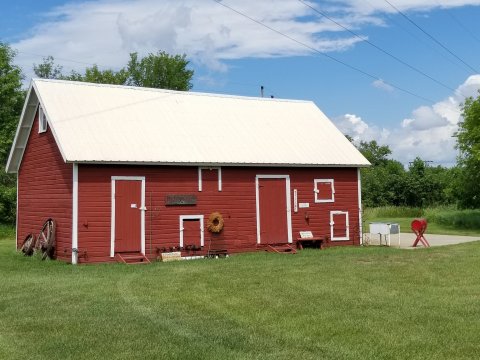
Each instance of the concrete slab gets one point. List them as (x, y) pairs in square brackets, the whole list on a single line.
[(407, 239)]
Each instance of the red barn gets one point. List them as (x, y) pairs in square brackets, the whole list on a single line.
[(136, 170)]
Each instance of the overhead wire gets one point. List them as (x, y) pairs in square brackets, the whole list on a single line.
[(419, 39), (459, 23), (352, 67), (431, 37), (396, 58)]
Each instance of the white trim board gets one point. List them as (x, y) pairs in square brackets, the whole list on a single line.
[(192, 217), (219, 172), (360, 215), (316, 191), (142, 209), (75, 214), (289, 205)]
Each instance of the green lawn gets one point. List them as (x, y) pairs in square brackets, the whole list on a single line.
[(341, 303)]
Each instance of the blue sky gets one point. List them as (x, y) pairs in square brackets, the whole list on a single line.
[(232, 54)]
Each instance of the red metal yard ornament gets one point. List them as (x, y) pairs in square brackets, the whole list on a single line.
[(418, 227)]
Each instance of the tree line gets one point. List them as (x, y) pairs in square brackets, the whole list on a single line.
[(386, 182)]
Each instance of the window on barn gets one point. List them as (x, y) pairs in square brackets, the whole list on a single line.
[(209, 179), (324, 190), (42, 120)]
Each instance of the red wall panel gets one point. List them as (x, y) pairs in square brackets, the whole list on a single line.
[(236, 202), (45, 191)]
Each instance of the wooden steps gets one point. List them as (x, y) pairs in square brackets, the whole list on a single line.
[(132, 258), (281, 248)]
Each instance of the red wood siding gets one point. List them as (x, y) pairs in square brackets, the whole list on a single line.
[(236, 202), (45, 191)]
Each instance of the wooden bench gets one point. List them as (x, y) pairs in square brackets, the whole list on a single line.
[(217, 253), (316, 242)]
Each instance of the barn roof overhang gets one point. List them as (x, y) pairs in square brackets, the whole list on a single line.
[(117, 125)]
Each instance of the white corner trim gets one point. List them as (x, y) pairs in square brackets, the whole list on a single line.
[(16, 220), (316, 191), (192, 217), (288, 199), (75, 214), (112, 221), (219, 172), (142, 209), (332, 224), (257, 207), (360, 215), (199, 178), (219, 179)]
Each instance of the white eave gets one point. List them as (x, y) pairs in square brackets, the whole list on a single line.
[(95, 123)]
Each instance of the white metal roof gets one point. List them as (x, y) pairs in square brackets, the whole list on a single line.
[(118, 124)]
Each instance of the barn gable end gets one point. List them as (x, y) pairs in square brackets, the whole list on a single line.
[(44, 190)]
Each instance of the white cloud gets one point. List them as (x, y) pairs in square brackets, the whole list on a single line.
[(105, 31), (382, 85), (428, 133), (381, 6)]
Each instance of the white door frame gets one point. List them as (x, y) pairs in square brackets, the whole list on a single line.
[(142, 209), (289, 207), (332, 224), (191, 217)]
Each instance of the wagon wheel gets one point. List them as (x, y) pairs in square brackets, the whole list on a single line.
[(46, 240), (28, 245)]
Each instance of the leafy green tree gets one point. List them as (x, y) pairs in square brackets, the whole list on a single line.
[(11, 101), (47, 69), (383, 182), (468, 142), (376, 154), (95, 75), (159, 70)]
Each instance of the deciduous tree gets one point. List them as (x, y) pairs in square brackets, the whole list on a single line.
[(11, 102), (159, 70), (468, 142)]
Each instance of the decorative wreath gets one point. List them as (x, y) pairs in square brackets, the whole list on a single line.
[(215, 222)]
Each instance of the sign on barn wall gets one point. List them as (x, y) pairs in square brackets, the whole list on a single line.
[(187, 199)]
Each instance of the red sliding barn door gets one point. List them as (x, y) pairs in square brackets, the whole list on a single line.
[(273, 210), (128, 202)]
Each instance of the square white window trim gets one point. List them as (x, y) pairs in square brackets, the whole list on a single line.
[(317, 192), (219, 171), (42, 120), (332, 224)]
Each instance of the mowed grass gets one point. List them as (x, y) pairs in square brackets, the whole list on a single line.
[(339, 303)]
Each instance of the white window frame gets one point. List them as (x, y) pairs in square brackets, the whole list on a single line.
[(142, 208), (288, 199), (219, 171), (332, 224), (42, 120), (316, 191), (192, 217)]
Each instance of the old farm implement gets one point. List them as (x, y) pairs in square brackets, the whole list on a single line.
[(419, 226), (44, 242)]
